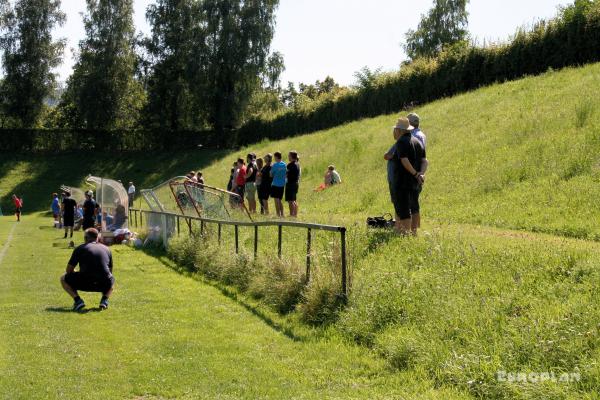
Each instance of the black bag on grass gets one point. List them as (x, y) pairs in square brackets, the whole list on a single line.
[(385, 221)]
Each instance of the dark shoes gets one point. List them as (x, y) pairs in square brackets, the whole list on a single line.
[(78, 305), (104, 304)]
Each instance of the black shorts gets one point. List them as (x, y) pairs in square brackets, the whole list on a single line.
[(88, 223), (89, 284), (264, 192), (291, 191), (18, 210), (277, 192), (406, 202), (68, 221)]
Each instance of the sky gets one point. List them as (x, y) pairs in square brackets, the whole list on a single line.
[(338, 37)]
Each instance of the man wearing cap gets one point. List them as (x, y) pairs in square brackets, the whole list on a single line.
[(409, 174), (89, 211), (415, 121), (95, 271)]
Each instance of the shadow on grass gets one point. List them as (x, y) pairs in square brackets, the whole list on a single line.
[(65, 310), (228, 292)]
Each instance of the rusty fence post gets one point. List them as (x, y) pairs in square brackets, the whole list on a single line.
[(255, 242), (279, 234), (237, 245)]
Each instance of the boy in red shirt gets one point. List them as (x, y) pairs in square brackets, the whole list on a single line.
[(18, 206)]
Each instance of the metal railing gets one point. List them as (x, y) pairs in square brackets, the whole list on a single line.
[(135, 213)]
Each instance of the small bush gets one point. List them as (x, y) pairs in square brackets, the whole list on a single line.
[(321, 299), (279, 284)]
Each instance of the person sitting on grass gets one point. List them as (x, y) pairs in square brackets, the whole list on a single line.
[(95, 271), (332, 177)]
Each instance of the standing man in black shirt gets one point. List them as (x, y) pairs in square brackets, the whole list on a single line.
[(89, 211), (293, 182), (411, 165), (95, 271), (69, 207)]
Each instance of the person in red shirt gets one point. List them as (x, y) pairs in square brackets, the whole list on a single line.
[(18, 206), (240, 181)]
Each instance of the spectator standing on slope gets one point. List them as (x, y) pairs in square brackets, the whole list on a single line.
[(409, 174), (264, 191), (278, 173), (415, 121), (250, 186), (90, 208), (293, 182), (240, 180)]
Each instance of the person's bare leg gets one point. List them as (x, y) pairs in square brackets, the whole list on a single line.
[(252, 205), (403, 226), (266, 206), (291, 207), (68, 289), (415, 223)]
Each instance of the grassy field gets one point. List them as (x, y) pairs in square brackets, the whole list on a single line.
[(503, 278), (164, 336)]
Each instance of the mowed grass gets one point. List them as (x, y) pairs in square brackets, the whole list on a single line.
[(164, 336), (503, 278)]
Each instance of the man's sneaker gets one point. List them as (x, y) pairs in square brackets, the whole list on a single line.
[(103, 304), (78, 305)]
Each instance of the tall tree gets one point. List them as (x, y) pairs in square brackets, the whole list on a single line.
[(234, 45), (444, 25), (29, 56), (170, 101), (102, 92)]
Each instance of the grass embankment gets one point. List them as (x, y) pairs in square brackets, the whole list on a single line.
[(463, 302)]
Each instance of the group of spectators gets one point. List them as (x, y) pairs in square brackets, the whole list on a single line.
[(407, 165), (71, 216), (265, 178)]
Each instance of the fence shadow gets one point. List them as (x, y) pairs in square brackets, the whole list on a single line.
[(228, 292)]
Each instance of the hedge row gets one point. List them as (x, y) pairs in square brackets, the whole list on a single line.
[(571, 39), (57, 140)]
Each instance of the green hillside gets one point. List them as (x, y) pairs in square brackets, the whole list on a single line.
[(505, 274)]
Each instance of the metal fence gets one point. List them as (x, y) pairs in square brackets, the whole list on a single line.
[(137, 217)]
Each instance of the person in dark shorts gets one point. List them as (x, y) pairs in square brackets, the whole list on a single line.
[(292, 182), (69, 207), (95, 271), (250, 186), (278, 173), (410, 167), (89, 212), (264, 190)]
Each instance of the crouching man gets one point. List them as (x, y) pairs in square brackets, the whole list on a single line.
[(95, 271)]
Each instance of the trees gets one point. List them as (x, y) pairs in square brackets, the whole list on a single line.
[(102, 92), (233, 45), (170, 100), (29, 55), (444, 25)]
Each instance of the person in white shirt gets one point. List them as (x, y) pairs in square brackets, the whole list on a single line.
[(417, 133), (332, 177), (131, 193)]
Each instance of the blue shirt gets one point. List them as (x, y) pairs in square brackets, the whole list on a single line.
[(55, 206), (278, 170), (417, 133)]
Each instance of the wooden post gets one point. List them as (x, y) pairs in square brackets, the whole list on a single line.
[(201, 228), (237, 245), (344, 264), (255, 242), (219, 234), (279, 240), (308, 251), (178, 226)]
